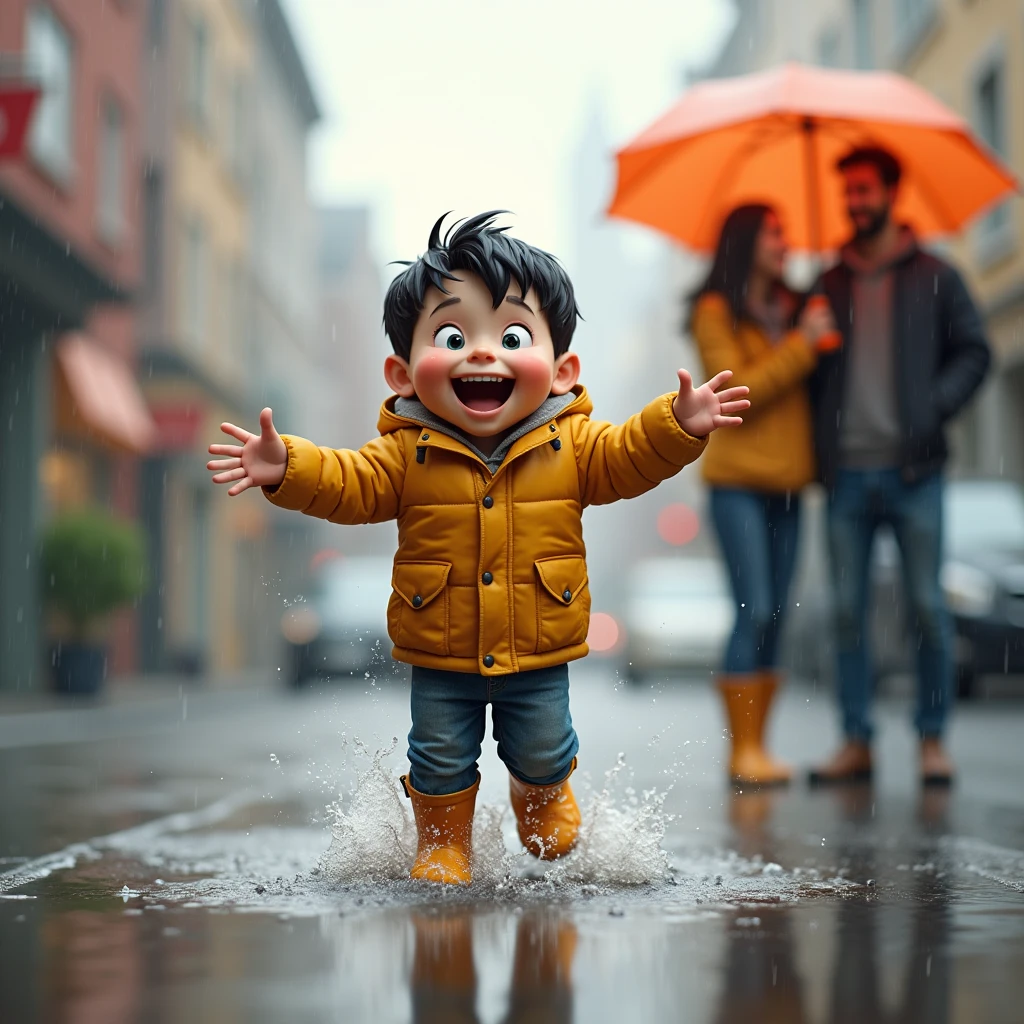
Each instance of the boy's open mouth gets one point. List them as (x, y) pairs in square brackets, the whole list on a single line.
[(483, 393)]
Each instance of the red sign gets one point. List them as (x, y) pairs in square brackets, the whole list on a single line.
[(177, 427), (16, 105)]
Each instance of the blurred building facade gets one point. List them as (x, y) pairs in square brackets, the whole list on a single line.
[(350, 352), (971, 56), (227, 314), (70, 262)]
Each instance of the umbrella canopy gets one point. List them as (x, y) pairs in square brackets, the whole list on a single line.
[(775, 136)]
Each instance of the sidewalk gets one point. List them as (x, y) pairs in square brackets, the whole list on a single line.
[(129, 706)]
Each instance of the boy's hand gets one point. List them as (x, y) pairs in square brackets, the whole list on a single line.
[(701, 410), (261, 461)]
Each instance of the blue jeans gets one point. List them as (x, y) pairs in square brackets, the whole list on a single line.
[(758, 535), (862, 501), (532, 725)]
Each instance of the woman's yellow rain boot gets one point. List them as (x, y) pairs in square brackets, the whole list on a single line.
[(547, 816), (444, 834), (748, 699)]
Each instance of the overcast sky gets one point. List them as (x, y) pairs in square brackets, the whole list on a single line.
[(431, 105)]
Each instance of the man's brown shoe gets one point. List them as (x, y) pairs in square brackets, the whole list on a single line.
[(852, 763), (936, 767)]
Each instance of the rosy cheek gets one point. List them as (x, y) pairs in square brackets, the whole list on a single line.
[(432, 370), (532, 371)]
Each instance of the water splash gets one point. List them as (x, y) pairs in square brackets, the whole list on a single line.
[(373, 837)]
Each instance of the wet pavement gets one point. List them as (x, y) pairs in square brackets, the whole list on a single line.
[(241, 856)]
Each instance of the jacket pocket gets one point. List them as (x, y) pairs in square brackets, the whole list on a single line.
[(418, 609), (563, 602)]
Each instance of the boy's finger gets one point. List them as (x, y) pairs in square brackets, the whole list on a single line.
[(236, 432), (267, 423), (221, 464), (719, 421), (685, 380), (719, 379), (731, 407), (231, 474), (242, 485), (732, 394), (225, 449)]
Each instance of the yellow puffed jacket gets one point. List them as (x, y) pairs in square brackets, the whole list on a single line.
[(490, 574)]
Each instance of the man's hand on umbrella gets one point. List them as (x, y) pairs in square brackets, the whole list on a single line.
[(701, 410), (260, 461)]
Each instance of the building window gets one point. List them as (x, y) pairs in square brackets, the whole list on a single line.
[(110, 172), (239, 126), (157, 21), (863, 34), (994, 232), (197, 82), (912, 20), (195, 282), (830, 48), (152, 198), (48, 52)]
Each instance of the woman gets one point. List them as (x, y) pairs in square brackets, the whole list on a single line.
[(743, 317)]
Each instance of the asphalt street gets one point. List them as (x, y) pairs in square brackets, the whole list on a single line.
[(239, 854)]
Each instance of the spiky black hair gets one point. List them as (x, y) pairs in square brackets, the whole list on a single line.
[(476, 246)]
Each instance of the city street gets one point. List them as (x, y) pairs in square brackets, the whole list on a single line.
[(240, 854)]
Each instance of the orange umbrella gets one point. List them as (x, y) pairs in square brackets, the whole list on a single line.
[(774, 137)]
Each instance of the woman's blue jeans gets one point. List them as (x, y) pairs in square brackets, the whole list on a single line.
[(532, 726), (758, 534)]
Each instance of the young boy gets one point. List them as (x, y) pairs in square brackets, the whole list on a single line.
[(487, 458)]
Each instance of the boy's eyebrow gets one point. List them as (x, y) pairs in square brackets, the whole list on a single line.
[(516, 301), (449, 302)]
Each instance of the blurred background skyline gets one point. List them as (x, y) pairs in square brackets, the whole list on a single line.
[(202, 213)]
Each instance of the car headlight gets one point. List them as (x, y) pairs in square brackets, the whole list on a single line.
[(300, 625), (969, 592)]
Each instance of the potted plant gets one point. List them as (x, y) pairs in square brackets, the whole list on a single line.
[(92, 564)]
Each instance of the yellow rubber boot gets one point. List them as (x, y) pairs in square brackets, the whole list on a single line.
[(547, 816), (748, 699), (444, 834)]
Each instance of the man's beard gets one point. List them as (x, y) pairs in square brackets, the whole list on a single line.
[(874, 226)]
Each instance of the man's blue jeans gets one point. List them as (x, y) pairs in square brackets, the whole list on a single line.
[(758, 535), (862, 501), (532, 726)]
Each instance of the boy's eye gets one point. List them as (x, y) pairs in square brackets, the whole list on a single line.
[(516, 336), (449, 337)]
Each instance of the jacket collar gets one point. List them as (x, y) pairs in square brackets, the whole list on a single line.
[(906, 248), (398, 413)]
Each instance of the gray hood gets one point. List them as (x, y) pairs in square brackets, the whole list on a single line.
[(414, 409)]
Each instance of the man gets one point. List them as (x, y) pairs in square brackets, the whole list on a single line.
[(913, 353)]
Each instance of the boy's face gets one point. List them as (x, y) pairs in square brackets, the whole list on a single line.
[(481, 369)]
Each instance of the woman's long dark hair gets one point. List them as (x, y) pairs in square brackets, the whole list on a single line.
[(734, 259)]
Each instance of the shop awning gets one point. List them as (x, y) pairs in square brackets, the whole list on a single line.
[(97, 394)]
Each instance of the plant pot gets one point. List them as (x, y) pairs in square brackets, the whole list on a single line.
[(79, 668)]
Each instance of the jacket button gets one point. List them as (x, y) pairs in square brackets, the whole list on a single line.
[(417, 601), (488, 661), (566, 595), (488, 501), (487, 578), (551, 427), (425, 437)]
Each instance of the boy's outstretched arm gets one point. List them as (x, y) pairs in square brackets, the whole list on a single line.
[(654, 444), (340, 485)]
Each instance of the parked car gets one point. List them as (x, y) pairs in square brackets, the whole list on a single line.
[(342, 630), (677, 616), (982, 579)]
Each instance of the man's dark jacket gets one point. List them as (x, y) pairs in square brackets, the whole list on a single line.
[(941, 358)]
